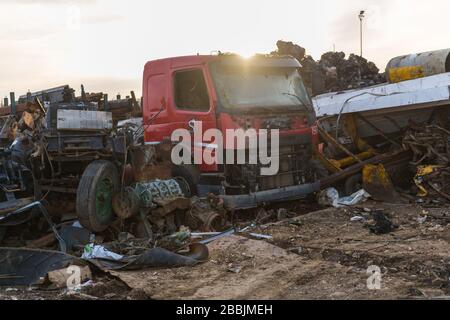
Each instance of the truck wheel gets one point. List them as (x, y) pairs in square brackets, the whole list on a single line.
[(190, 174), (100, 181)]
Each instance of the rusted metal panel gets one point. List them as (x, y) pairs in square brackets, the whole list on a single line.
[(19, 109)]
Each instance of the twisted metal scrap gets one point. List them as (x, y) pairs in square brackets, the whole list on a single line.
[(431, 148), (430, 145)]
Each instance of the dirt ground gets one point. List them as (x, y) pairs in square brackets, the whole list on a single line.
[(319, 255)]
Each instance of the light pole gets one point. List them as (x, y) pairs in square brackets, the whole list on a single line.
[(361, 17)]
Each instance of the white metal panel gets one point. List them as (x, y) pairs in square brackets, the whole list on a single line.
[(433, 89), (84, 120)]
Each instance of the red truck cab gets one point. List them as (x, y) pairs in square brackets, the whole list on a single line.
[(226, 91)]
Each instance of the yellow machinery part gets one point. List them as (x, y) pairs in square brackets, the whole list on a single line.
[(336, 165), (405, 73), (378, 184), (423, 171), (352, 130), (376, 174), (346, 162)]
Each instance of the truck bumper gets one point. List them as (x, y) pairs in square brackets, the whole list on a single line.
[(253, 200)]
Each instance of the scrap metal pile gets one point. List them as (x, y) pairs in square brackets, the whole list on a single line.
[(79, 187), (333, 72), (77, 180), (430, 145)]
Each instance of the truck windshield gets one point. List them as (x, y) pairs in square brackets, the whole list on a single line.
[(263, 87)]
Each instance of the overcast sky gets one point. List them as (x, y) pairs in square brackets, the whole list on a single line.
[(104, 44)]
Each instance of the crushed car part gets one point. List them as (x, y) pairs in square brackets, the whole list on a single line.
[(157, 190), (203, 216), (127, 202)]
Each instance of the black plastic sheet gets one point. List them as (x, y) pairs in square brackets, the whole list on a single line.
[(25, 267), (156, 257)]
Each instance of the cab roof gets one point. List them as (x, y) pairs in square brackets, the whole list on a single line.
[(225, 59)]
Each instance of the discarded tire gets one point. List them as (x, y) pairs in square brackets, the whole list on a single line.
[(100, 181)]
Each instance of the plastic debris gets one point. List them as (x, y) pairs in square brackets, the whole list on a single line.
[(92, 251), (234, 269), (422, 220), (330, 197), (358, 219)]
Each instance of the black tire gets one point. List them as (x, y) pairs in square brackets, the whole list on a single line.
[(190, 174), (99, 183), (353, 184)]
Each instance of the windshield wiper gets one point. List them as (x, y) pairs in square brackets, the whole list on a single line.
[(299, 99)]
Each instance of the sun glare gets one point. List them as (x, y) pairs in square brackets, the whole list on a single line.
[(246, 55)]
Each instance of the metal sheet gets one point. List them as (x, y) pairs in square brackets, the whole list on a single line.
[(433, 90), (84, 120)]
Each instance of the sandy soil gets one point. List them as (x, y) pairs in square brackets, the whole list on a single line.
[(319, 255)]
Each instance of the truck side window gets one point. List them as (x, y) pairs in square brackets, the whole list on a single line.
[(191, 92)]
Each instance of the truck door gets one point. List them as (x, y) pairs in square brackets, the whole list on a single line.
[(193, 102)]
